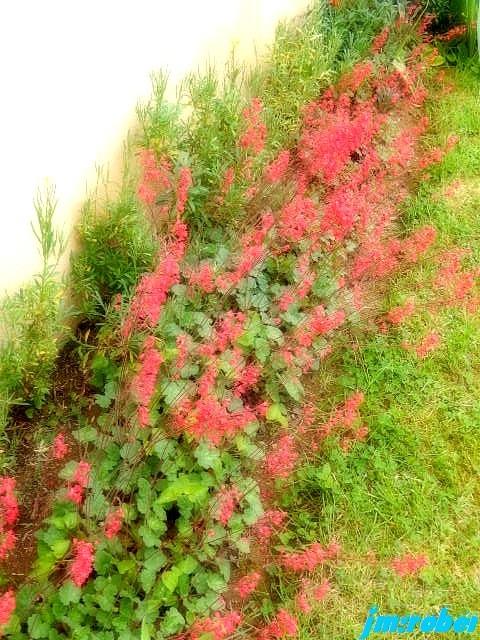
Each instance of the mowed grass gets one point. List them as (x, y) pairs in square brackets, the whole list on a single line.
[(413, 486)]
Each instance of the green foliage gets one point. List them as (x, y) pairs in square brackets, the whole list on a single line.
[(116, 247), (33, 322)]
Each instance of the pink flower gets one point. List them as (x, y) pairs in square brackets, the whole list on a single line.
[(246, 585), (82, 565), (82, 473), (247, 378), (156, 177), (184, 184), (9, 510), (7, 606), (227, 500), (255, 133), (268, 524), (284, 625), (418, 243), (296, 218), (218, 627), (60, 448), (398, 314), (280, 461), (182, 351), (143, 384), (409, 564), (380, 40), (152, 290), (326, 148), (455, 32), (8, 540), (345, 415), (276, 170), (310, 558), (320, 592), (353, 80), (318, 324), (113, 523), (75, 493), (429, 343), (302, 602), (203, 278)]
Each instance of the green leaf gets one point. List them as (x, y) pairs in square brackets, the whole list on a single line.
[(293, 388), (262, 349), (37, 628), (126, 565), (170, 578), (144, 495), (187, 565), (216, 582), (155, 560), (60, 548), (145, 631), (172, 622), (277, 413), (69, 593), (86, 434), (206, 455), (172, 392), (274, 333), (149, 537), (194, 488)]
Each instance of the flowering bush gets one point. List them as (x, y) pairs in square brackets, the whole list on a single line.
[(207, 359)]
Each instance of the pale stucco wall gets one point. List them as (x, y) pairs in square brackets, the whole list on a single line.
[(72, 73)]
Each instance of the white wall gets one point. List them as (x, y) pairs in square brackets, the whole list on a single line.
[(72, 72)]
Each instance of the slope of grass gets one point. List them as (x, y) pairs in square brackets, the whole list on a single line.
[(413, 486)]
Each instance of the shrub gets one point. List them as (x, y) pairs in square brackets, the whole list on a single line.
[(33, 323), (117, 245)]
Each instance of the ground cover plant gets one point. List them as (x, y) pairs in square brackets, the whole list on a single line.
[(267, 319)]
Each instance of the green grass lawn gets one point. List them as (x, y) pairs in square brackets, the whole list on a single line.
[(413, 486)]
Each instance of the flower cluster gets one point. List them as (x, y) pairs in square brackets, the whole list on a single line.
[(398, 314), (380, 40), (113, 523), (152, 290), (82, 565), (59, 447), (310, 558), (255, 133), (218, 627), (318, 324), (409, 564), (7, 607), (428, 344), (143, 384), (310, 594), (9, 513), (155, 179), (284, 625), (203, 277), (280, 461), (79, 482), (345, 415), (184, 184), (276, 170), (227, 500), (452, 34), (246, 585), (296, 218), (269, 523)]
